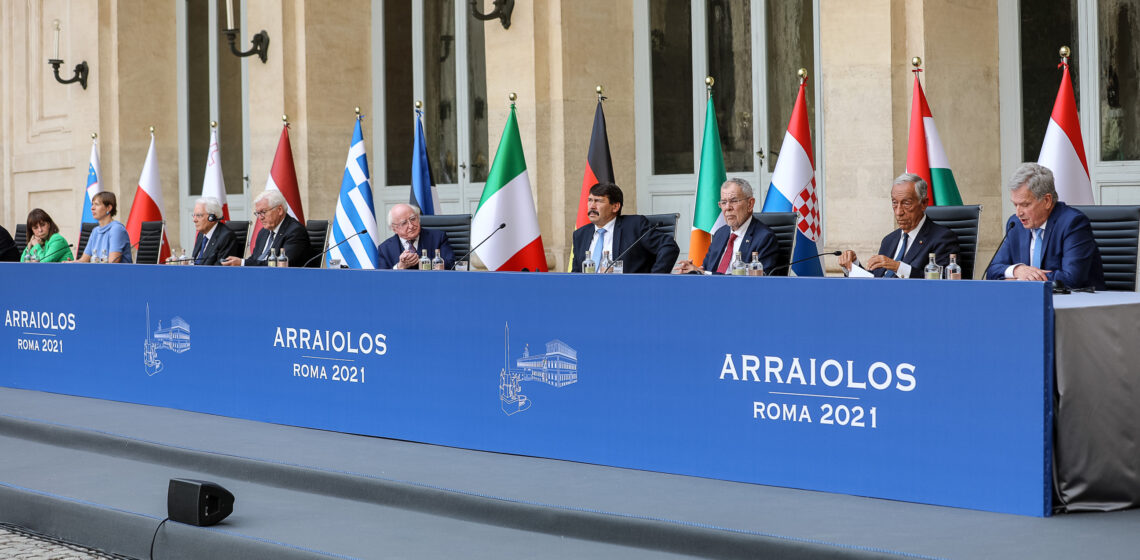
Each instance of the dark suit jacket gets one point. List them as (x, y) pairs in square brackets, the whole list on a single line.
[(8, 250), (657, 252), (223, 243), (1069, 252), (932, 238), (430, 239), (757, 238), (292, 236)]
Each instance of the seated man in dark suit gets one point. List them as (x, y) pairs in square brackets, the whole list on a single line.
[(916, 238), (741, 233), (403, 250), (609, 231), (214, 241), (8, 250), (279, 231), (1054, 243)]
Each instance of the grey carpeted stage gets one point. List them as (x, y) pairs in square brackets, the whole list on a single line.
[(95, 472)]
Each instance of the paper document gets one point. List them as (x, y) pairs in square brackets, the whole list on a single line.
[(858, 272)]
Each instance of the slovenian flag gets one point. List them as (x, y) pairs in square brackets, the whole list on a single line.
[(507, 200), (147, 205), (424, 194), (94, 173), (925, 156), (1063, 150), (355, 210), (793, 188)]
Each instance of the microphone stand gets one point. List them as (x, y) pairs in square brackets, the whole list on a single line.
[(789, 265), (326, 251), (472, 250), (630, 248), (1008, 229)]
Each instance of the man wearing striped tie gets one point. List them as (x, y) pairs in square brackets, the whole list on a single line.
[(1055, 241), (905, 251)]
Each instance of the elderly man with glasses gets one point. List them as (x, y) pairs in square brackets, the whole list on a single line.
[(214, 241), (279, 231), (403, 250), (905, 251), (740, 233)]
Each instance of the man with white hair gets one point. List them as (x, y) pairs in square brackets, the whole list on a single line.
[(214, 241), (279, 231), (403, 250), (905, 252)]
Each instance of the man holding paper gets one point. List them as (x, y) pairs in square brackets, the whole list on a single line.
[(905, 251)]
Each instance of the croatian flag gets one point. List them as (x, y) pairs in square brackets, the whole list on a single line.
[(424, 194), (793, 188), (354, 210), (93, 174), (1063, 150)]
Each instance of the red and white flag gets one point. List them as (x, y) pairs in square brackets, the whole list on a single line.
[(282, 177), (147, 205), (1063, 150), (213, 185)]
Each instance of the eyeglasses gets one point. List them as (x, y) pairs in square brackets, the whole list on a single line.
[(411, 220), (730, 202), (197, 216), (262, 213)]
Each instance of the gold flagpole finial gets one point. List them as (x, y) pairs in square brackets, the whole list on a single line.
[(152, 129), (94, 135), (213, 124), (419, 104), (284, 118), (1065, 52)]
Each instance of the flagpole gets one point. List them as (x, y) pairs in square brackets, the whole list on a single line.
[(917, 63), (708, 86)]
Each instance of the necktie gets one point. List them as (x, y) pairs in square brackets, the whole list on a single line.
[(201, 249), (899, 257), (726, 258), (599, 246), (410, 246), (268, 247), (1037, 246)]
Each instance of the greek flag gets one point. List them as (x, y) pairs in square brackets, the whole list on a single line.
[(354, 210), (424, 194)]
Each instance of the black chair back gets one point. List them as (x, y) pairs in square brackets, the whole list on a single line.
[(1116, 230), (318, 235), (963, 221), (21, 237), (241, 233), (456, 226), (667, 222), (150, 243), (783, 224), (85, 230)]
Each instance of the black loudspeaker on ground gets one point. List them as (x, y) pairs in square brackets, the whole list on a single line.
[(197, 502)]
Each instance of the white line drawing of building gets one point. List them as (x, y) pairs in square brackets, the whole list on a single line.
[(176, 338), (558, 367)]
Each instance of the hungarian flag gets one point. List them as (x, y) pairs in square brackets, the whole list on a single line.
[(599, 167), (282, 177), (147, 205), (707, 217), (507, 200), (94, 173), (213, 185), (1063, 150), (925, 156), (793, 188)]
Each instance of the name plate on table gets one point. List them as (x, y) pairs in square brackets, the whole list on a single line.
[(936, 392)]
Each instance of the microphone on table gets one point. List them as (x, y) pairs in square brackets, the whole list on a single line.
[(1008, 228), (789, 265), (57, 252), (630, 248), (472, 250), (325, 252)]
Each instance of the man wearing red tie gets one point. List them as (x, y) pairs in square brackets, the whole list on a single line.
[(741, 232)]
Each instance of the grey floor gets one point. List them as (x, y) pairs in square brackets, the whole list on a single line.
[(313, 493)]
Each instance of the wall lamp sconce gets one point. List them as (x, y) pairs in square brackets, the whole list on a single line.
[(80, 69), (260, 40), (502, 11)]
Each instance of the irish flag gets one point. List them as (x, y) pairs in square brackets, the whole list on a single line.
[(147, 205), (925, 156), (507, 200), (1063, 150), (707, 217)]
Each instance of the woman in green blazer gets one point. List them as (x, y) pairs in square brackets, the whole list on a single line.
[(45, 244)]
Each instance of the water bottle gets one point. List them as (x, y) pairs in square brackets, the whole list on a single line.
[(954, 270), (755, 267), (737, 267), (282, 259), (604, 266), (271, 261), (183, 259), (933, 271), (588, 265), (425, 262), (437, 262)]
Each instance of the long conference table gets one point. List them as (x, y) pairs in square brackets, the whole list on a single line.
[(935, 392)]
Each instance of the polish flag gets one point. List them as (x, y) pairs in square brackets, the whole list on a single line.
[(282, 177), (1063, 150), (213, 185), (147, 205)]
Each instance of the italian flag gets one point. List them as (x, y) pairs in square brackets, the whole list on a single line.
[(507, 200), (925, 156), (707, 217)]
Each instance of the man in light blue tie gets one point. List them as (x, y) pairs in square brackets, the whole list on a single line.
[(630, 237), (1054, 241)]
